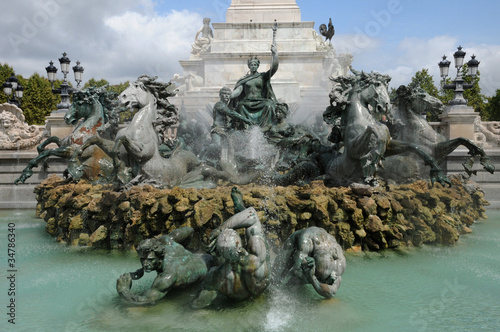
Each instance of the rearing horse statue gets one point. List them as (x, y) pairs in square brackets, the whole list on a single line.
[(138, 143), (90, 105), (410, 125), (366, 140)]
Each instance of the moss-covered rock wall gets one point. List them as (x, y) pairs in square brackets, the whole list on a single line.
[(360, 218)]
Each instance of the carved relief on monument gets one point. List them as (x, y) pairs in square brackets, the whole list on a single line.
[(14, 132), (486, 133), (188, 82)]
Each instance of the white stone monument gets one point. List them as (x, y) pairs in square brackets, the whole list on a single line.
[(305, 60)]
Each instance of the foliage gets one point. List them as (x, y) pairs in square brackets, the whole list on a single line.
[(5, 72), (95, 83), (445, 95), (38, 101), (117, 88), (474, 96), (491, 110), (424, 80), (393, 94)]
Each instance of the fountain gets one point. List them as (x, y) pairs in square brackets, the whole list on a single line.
[(130, 194)]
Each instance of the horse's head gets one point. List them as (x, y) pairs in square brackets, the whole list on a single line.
[(136, 96), (418, 101), (82, 105), (373, 91), (144, 91)]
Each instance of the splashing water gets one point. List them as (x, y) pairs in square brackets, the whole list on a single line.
[(251, 148)]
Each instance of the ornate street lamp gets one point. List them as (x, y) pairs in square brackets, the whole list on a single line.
[(65, 90), (13, 90), (458, 84), (78, 70), (444, 67), (472, 66), (51, 73)]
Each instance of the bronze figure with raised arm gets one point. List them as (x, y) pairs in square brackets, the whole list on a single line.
[(253, 96)]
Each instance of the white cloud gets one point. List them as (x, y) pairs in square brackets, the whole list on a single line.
[(413, 54), (426, 53), (115, 40), (152, 45), (401, 75), (489, 67)]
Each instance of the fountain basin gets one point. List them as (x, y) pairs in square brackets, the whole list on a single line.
[(64, 288)]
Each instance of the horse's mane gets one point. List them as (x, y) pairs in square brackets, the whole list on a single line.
[(107, 99), (361, 79), (342, 86), (161, 91)]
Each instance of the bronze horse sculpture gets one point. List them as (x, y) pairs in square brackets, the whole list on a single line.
[(91, 107), (409, 125), (366, 140), (136, 148)]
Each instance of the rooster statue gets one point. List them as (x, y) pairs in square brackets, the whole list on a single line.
[(328, 33)]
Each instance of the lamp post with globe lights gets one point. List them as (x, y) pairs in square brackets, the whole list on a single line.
[(13, 90), (65, 90), (458, 85)]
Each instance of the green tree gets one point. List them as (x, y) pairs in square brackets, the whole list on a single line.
[(38, 101), (491, 110), (5, 72), (95, 83), (119, 88), (473, 95), (445, 95), (392, 93), (424, 80)]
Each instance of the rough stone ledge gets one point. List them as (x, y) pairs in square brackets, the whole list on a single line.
[(391, 217)]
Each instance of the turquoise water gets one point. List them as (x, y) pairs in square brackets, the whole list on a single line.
[(59, 288)]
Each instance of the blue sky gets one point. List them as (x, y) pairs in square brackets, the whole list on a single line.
[(119, 40)]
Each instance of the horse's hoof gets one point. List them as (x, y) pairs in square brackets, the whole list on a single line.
[(443, 180), (489, 167)]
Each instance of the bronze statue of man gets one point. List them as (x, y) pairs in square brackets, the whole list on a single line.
[(176, 267), (246, 269), (224, 120), (312, 256), (224, 117)]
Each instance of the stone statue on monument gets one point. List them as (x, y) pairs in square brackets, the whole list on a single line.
[(203, 43)]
